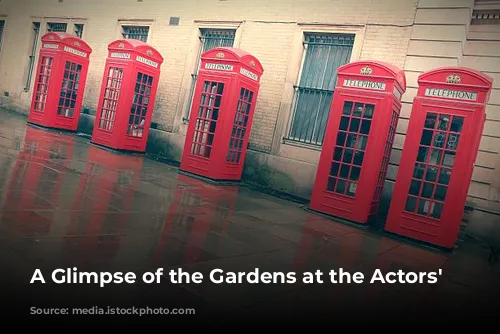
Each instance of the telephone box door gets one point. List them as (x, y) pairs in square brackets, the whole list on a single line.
[(349, 155), (241, 127), (434, 185), (211, 97)]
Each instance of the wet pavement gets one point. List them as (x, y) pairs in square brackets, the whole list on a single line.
[(66, 203)]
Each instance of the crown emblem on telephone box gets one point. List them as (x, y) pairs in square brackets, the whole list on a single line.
[(220, 55), (252, 63), (453, 78), (366, 70), (149, 53)]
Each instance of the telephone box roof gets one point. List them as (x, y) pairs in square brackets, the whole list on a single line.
[(240, 55), (68, 39)]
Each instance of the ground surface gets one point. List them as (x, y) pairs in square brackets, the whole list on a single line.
[(66, 203)]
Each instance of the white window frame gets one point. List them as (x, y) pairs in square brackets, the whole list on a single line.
[(136, 23)]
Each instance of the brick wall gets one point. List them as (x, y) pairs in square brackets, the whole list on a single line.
[(267, 32), (380, 39)]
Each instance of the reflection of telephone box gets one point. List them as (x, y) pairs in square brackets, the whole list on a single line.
[(358, 140), (438, 156), (127, 96), (196, 210), (60, 81), (36, 181), (106, 189), (222, 113)]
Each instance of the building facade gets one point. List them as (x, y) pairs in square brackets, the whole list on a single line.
[(299, 43)]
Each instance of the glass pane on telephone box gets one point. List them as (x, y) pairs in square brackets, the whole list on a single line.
[(42, 84), (110, 99), (206, 119), (435, 161), (350, 147), (140, 105), (243, 108), (69, 89)]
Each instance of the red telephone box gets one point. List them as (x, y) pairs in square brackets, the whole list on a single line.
[(438, 156), (222, 113), (127, 97), (35, 183), (60, 81), (197, 211), (358, 140)]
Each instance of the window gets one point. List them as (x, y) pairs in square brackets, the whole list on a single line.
[(69, 89), (78, 30), (140, 104), (35, 33), (349, 153), (110, 101), (206, 121), (42, 83), (136, 32), (324, 53), (240, 126), (56, 27), (2, 24), (210, 38), (435, 162)]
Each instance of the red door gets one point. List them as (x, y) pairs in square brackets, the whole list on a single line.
[(70, 97), (349, 155), (240, 133), (212, 103), (430, 191)]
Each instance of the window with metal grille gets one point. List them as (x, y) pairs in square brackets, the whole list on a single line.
[(324, 53), (136, 32), (56, 27), (78, 30), (210, 38), (35, 33), (2, 23)]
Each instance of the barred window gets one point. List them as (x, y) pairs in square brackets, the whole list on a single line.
[(210, 38), (324, 53), (136, 32), (56, 27)]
